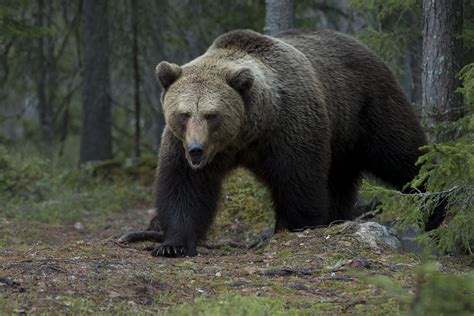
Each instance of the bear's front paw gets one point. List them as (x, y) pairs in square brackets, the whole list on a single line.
[(171, 251)]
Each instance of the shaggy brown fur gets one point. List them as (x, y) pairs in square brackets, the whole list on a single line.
[(307, 113)]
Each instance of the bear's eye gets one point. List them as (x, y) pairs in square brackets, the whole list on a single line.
[(184, 117), (211, 117)]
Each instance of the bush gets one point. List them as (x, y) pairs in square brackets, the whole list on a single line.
[(21, 178)]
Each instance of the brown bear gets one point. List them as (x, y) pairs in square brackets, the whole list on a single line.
[(307, 112)]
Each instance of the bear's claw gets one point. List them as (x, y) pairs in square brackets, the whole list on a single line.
[(169, 251)]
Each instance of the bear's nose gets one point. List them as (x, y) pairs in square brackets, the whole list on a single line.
[(195, 151)]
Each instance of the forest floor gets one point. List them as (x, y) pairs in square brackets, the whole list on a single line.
[(79, 269)]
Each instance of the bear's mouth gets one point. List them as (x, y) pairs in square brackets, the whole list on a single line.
[(198, 161), (196, 164)]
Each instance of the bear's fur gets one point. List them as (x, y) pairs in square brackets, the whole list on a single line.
[(307, 113)]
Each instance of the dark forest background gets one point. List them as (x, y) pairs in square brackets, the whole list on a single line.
[(77, 77)]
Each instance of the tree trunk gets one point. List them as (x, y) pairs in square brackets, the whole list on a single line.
[(415, 51), (44, 72), (442, 58), (136, 74), (96, 136), (279, 16), (51, 76)]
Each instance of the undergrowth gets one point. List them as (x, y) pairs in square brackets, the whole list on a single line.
[(33, 188)]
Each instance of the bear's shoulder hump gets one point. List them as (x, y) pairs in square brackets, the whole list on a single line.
[(244, 40)]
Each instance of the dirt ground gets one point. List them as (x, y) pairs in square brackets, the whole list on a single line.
[(67, 269)]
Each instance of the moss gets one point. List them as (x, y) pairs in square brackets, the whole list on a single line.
[(285, 254), (246, 202)]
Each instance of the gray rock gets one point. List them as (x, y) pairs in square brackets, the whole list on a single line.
[(376, 235)]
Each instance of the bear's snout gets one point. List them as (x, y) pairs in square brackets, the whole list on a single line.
[(196, 153)]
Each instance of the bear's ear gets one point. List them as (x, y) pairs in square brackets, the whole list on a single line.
[(241, 79), (167, 73)]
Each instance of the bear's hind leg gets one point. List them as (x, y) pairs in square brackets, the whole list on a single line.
[(393, 160), (391, 141)]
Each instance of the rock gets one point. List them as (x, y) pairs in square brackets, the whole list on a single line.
[(79, 226), (376, 235)]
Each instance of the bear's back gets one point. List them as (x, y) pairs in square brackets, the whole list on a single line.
[(246, 41), (334, 52), (327, 45)]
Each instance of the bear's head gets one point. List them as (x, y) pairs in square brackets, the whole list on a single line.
[(204, 106)]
